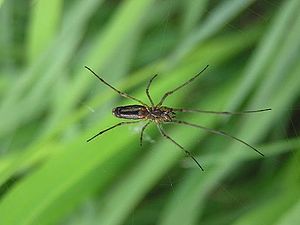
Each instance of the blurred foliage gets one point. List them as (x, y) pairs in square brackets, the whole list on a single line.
[(50, 106)]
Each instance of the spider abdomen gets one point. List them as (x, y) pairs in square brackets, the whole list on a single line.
[(135, 112)]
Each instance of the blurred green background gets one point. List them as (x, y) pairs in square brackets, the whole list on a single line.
[(50, 105)]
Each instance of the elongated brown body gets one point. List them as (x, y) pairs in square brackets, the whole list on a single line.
[(139, 112)]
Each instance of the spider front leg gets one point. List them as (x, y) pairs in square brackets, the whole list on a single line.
[(147, 90), (179, 87), (123, 94)]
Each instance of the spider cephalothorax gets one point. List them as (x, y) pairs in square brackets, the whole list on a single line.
[(161, 114)]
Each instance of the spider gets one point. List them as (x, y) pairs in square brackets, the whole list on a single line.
[(159, 114)]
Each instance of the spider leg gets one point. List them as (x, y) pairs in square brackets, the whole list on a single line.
[(188, 153), (142, 132), (182, 85), (223, 112), (123, 94), (217, 132), (147, 90), (107, 129)]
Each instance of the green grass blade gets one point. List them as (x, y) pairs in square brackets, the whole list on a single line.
[(45, 19), (271, 211), (220, 16), (192, 13), (268, 46), (292, 216)]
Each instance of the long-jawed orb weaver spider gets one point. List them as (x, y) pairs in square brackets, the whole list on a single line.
[(160, 114)]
